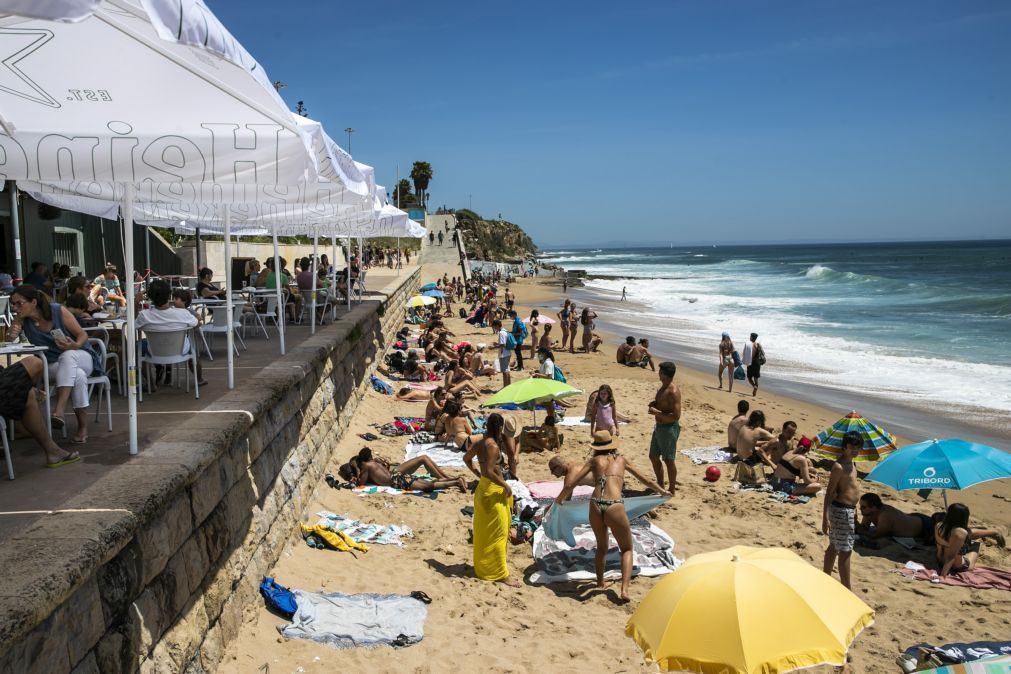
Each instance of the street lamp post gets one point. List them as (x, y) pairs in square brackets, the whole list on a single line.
[(349, 131)]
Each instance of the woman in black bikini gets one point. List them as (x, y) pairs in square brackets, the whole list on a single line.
[(957, 543), (607, 506), (794, 473)]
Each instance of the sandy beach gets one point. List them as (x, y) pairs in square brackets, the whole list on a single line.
[(477, 626)]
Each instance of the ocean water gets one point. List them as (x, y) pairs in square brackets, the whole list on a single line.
[(926, 325)]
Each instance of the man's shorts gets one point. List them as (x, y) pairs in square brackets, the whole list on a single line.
[(503, 362), (754, 371), (842, 526), (664, 442)]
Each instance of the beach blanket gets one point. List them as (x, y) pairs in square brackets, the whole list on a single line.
[(559, 562), (390, 491), (962, 652), (418, 386), (373, 534), (578, 421), (704, 455), (550, 489), (350, 620), (442, 454), (562, 520), (980, 578), (492, 516)]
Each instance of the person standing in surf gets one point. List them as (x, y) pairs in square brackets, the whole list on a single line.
[(726, 360), (753, 358), (623, 295)]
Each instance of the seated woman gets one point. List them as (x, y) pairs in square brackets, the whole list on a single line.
[(19, 399), (206, 290), (109, 282), (380, 472), (794, 473), (434, 408), (452, 426), (958, 544), (545, 341), (477, 365), (460, 380), (415, 371), (543, 438), (71, 359), (77, 304), (607, 509)]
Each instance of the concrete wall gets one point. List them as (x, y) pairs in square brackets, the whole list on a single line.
[(187, 529)]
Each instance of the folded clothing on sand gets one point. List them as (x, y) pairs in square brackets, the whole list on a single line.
[(703, 455), (552, 488), (982, 577), (963, 652), (359, 532), (441, 453), (350, 620), (559, 562)]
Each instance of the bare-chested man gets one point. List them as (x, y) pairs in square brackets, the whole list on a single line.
[(624, 349), (379, 471), (783, 443), (735, 425), (751, 440), (878, 520), (839, 514), (565, 470), (492, 504), (639, 356), (666, 410)]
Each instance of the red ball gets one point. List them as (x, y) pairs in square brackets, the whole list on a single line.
[(712, 474)]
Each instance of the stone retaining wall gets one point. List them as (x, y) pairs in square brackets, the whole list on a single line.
[(156, 564)]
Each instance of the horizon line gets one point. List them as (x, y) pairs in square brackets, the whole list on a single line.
[(774, 242)]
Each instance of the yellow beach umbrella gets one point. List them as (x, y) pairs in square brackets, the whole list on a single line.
[(745, 610), (420, 301)]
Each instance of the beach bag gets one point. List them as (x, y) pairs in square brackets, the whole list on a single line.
[(381, 387), (559, 375), (510, 344), (520, 331), (739, 373), (737, 358), (278, 598), (760, 355), (746, 474)]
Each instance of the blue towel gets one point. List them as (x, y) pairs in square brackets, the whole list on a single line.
[(562, 519)]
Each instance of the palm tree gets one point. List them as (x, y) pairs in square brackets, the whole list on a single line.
[(421, 174)]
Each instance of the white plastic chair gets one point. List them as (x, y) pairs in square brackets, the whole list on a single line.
[(103, 334), (166, 348), (269, 311), (219, 324), (7, 449), (319, 308), (101, 380), (358, 287), (5, 310)]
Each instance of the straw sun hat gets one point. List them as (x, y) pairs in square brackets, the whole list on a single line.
[(603, 441)]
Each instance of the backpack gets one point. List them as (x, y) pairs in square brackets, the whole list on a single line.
[(278, 597), (510, 344), (760, 355), (523, 333), (559, 375)]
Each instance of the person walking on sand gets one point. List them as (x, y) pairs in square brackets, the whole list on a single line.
[(666, 410), (607, 505), (838, 520), (726, 350), (506, 344), (565, 285), (623, 296), (493, 505), (752, 357)]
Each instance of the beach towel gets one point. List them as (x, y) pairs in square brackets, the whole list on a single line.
[(704, 455), (562, 519), (559, 562), (380, 386), (980, 578), (577, 421), (359, 532), (550, 489), (962, 652), (336, 540), (391, 491), (442, 454), (418, 386), (350, 620), (492, 515)]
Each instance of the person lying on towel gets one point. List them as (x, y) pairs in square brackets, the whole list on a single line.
[(380, 472)]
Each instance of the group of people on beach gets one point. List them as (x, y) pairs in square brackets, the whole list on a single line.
[(744, 365)]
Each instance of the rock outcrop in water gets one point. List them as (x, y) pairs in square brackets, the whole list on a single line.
[(496, 240)]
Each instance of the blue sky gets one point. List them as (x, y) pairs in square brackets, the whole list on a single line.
[(665, 121)]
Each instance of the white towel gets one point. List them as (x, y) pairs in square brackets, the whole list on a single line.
[(441, 453), (349, 620)]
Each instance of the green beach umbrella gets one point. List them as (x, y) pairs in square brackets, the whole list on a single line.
[(877, 442), (531, 392)]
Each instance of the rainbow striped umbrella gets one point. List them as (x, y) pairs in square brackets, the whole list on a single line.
[(877, 443)]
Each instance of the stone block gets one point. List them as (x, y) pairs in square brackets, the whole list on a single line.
[(120, 580), (41, 651), (119, 649), (163, 536), (80, 618), (147, 620), (89, 665), (211, 650), (182, 641)]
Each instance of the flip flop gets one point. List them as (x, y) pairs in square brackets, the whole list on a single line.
[(421, 596), (73, 457), (57, 422)]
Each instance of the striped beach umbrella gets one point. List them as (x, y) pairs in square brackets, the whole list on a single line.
[(877, 442)]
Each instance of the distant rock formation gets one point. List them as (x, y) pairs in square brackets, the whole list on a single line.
[(493, 240)]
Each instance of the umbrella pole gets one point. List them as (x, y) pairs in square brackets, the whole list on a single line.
[(229, 308), (347, 254), (314, 267), (282, 314), (333, 273), (131, 318)]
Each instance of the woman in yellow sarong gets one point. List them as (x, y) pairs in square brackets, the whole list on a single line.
[(493, 504)]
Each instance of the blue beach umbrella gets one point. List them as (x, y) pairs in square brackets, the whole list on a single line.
[(434, 293), (430, 286), (942, 464)]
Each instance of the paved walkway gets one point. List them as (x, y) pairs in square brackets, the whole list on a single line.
[(37, 490)]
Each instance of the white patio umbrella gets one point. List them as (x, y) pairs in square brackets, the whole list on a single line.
[(130, 127)]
